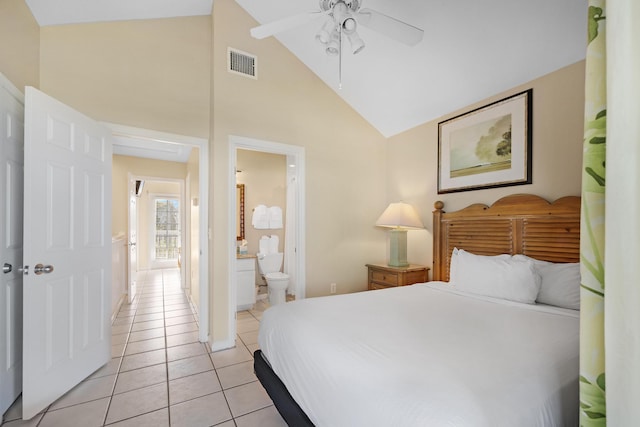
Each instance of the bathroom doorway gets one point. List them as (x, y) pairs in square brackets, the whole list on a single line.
[(293, 160), (264, 180)]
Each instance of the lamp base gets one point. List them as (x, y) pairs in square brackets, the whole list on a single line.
[(398, 248)]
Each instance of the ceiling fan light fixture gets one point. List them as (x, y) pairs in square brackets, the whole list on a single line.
[(333, 48), (349, 25), (357, 44), (324, 34)]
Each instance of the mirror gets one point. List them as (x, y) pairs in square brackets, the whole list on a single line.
[(239, 211)]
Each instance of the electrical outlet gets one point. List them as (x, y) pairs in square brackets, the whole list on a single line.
[(333, 288)]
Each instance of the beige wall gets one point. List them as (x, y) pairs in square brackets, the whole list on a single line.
[(19, 44), (151, 74), (122, 166), (345, 159), (558, 110), (265, 178)]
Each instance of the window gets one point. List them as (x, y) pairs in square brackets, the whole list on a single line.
[(167, 244)]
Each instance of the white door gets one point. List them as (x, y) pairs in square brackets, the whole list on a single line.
[(11, 179), (133, 240), (67, 248)]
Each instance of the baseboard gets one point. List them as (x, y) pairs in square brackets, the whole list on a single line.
[(194, 306), (222, 345), (121, 301)]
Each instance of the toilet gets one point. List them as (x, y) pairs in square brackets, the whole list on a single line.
[(277, 282)]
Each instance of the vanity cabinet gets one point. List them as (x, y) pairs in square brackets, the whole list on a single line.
[(246, 281)]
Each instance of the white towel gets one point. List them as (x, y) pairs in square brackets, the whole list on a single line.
[(274, 241), (263, 245), (275, 217), (260, 218)]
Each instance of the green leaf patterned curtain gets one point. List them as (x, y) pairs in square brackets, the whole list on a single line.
[(592, 237)]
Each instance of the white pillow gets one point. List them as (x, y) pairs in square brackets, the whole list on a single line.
[(560, 283), (453, 265), (500, 276)]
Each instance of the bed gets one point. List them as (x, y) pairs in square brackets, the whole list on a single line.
[(441, 354)]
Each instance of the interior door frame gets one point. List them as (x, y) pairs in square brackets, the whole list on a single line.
[(12, 90), (131, 246), (295, 152), (203, 194)]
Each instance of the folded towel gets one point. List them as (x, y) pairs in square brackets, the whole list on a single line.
[(275, 217), (274, 241), (260, 218), (263, 245)]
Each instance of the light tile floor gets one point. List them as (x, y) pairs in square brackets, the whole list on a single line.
[(160, 375)]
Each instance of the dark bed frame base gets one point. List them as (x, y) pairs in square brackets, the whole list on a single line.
[(288, 408)]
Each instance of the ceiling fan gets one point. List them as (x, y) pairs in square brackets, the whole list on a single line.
[(344, 16)]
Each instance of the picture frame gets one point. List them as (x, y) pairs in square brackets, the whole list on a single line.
[(487, 147)]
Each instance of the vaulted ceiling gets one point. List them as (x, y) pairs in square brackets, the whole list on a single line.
[(471, 49)]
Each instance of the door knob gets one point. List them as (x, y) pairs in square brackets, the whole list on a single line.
[(6, 268), (42, 269)]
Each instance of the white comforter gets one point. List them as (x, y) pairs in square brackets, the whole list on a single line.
[(423, 355)]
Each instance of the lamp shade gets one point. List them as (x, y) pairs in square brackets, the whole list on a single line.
[(400, 215)]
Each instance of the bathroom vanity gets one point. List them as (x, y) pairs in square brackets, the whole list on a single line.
[(246, 281)]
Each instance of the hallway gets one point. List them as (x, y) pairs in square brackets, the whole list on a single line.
[(160, 375)]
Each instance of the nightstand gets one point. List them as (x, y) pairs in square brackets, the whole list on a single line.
[(382, 276)]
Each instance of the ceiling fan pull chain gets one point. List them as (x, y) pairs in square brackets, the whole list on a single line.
[(340, 60)]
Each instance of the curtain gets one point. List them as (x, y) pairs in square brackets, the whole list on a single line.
[(610, 230), (592, 228), (290, 235)]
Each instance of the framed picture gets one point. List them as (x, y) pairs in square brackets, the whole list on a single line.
[(487, 147)]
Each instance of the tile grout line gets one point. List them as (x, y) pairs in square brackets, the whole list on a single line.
[(121, 357), (166, 351), (135, 302), (118, 374)]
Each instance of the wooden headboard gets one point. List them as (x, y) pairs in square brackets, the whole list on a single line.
[(517, 224)]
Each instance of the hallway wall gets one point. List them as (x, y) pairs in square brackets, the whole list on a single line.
[(192, 210)]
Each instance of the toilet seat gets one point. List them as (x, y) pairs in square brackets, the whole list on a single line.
[(276, 275)]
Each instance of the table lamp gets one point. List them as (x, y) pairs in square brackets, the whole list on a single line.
[(399, 217)]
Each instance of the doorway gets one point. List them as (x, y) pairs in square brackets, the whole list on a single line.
[(161, 225), (148, 144), (295, 156)]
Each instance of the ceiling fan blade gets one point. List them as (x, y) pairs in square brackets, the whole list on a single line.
[(284, 24), (390, 27)]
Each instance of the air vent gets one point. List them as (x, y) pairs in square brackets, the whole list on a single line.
[(242, 63)]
